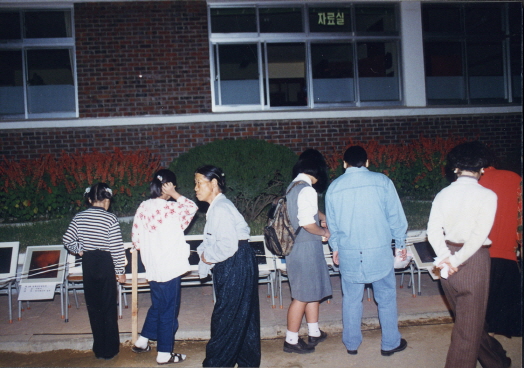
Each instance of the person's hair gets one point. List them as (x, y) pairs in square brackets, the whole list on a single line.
[(469, 156), (96, 193), (212, 172), (316, 166), (161, 177), (355, 156)]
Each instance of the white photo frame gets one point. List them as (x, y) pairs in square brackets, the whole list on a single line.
[(8, 260), (44, 264)]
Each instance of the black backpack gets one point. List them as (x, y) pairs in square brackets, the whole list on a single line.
[(279, 234)]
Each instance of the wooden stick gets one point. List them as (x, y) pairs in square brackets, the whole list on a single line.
[(134, 296)]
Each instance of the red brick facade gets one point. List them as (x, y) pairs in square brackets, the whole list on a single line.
[(502, 132), (142, 58)]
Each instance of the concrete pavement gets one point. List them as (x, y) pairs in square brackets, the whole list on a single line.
[(42, 329)]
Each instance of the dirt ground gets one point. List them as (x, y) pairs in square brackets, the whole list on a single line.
[(427, 347)]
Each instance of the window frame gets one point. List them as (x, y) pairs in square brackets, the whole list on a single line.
[(308, 38), (27, 44)]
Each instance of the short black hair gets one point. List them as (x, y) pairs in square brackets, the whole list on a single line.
[(97, 192), (162, 176), (355, 156), (212, 172), (322, 174), (469, 156)]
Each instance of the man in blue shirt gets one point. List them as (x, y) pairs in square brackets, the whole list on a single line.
[(364, 214)]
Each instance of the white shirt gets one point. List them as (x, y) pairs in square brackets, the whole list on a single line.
[(307, 202), (463, 212), (158, 231)]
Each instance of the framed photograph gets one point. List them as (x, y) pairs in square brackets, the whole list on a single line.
[(8, 260), (194, 241), (44, 264), (423, 254)]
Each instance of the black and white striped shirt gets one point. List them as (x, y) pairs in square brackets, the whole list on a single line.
[(93, 229)]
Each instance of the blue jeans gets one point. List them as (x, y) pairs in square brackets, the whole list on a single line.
[(161, 321), (385, 294)]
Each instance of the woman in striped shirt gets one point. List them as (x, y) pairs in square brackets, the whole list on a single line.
[(95, 235)]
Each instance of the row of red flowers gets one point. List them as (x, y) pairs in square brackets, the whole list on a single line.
[(49, 187)]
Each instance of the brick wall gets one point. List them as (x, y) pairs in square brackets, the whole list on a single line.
[(142, 58), (502, 131)]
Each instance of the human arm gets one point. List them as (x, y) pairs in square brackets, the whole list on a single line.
[(224, 228), (71, 239), (116, 247), (307, 202), (183, 208), (398, 223)]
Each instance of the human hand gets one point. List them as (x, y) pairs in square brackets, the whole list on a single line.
[(204, 259), (169, 189), (451, 269), (81, 253), (335, 258), (403, 253), (121, 278)]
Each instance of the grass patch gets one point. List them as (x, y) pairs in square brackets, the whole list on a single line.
[(51, 232)]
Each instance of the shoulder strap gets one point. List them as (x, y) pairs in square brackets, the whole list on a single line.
[(294, 185)]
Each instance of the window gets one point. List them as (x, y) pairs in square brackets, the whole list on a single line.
[(304, 56), (472, 53), (37, 77)]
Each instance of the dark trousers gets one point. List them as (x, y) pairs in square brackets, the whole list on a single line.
[(161, 321), (467, 293), (100, 291), (235, 323)]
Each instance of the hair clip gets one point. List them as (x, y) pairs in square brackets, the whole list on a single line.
[(109, 190), (88, 189), (159, 178)]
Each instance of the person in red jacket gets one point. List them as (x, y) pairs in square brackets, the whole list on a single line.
[(504, 313)]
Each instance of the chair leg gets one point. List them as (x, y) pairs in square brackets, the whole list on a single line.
[(10, 302), (120, 301)]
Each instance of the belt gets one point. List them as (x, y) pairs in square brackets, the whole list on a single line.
[(449, 242)]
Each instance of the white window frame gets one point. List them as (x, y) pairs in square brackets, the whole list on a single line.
[(26, 44)]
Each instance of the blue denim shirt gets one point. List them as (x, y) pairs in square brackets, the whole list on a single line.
[(364, 214)]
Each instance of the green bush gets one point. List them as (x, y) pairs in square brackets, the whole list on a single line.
[(256, 171)]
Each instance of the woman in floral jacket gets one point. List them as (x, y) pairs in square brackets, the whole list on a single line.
[(158, 232)]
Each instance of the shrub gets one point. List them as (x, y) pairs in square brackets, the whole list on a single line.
[(256, 171), (416, 168), (46, 187)]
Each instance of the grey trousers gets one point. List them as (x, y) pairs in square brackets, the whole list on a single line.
[(467, 293)]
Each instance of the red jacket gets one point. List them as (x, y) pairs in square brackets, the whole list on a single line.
[(504, 231)]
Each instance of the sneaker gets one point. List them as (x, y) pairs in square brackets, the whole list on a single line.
[(403, 345), (314, 340), (301, 347)]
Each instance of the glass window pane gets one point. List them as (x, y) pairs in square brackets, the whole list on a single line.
[(332, 66), (441, 18), (50, 82), (483, 19), (486, 72), (238, 68), (444, 72), (10, 26), (330, 19), (233, 20), (375, 18), (11, 83), (47, 24), (280, 20), (378, 71), (287, 74)]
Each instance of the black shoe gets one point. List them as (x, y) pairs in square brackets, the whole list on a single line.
[(508, 362), (402, 346), (314, 340), (352, 352), (106, 358), (301, 347), (136, 349), (175, 358)]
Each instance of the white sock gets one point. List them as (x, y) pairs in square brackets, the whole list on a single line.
[(314, 331), (142, 342), (291, 337), (163, 357)]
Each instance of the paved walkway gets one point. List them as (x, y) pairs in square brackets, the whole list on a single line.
[(42, 329)]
